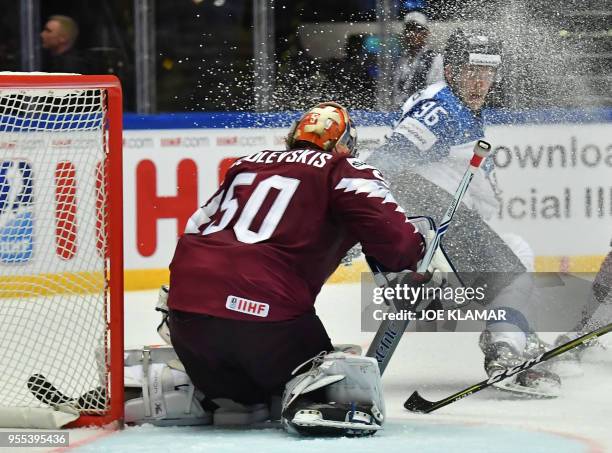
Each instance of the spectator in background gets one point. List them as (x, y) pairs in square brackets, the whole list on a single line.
[(356, 74), (419, 66), (58, 37)]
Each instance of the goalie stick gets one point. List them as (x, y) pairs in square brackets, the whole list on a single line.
[(390, 332), (46, 392), (416, 403)]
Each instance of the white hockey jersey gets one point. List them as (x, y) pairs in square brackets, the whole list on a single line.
[(434, 137)]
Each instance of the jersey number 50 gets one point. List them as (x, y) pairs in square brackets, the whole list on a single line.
[(286, 188)]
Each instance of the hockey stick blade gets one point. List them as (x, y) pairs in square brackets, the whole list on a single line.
[(416, 403), (47, 393)]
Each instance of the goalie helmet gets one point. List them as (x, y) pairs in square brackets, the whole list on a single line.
[(472, 47), (328, 126)]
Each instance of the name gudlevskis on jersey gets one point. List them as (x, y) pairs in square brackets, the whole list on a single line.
[(277, 261), (304, 156)]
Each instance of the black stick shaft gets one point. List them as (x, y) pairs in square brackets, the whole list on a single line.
[(417, 403)]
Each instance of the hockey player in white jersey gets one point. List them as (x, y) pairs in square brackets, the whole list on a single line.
[(424, 158)]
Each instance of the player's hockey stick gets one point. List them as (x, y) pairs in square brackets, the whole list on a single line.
[(416, 403), (47, 393), (390, 331)]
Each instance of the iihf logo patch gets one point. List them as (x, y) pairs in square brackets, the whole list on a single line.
[(249, 307), (16, 211)]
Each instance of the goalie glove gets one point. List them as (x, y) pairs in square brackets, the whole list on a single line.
[(440, 264), (436, 274)]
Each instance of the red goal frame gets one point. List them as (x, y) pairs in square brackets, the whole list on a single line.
[(114, 216)]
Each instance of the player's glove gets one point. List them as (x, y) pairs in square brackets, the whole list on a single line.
[(440, 262)]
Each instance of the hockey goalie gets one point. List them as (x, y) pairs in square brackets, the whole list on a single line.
[(243, 283)]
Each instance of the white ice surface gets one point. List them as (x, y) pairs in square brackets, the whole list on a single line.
[(437, 364)]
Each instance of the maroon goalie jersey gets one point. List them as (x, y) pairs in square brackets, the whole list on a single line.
[(261, 248)]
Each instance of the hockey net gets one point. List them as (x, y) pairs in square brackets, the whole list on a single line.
[(61, 259)]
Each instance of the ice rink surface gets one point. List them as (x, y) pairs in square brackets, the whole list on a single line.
[(437, 364)]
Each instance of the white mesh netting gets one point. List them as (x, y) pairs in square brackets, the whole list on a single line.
[(52, 245)]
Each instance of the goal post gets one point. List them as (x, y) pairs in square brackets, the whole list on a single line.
[(61, 245)]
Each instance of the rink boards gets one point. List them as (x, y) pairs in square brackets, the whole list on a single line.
[(553, 167), (554, 170)]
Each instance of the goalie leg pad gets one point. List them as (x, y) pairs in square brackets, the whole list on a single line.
[(340, 395), (166, 395)]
